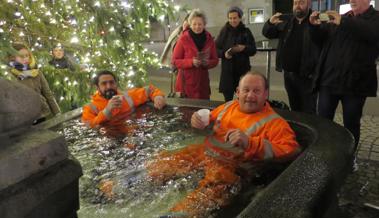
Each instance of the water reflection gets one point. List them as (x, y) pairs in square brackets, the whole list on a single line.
[(115, 182)]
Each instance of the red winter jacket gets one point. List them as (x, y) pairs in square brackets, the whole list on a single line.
[(193, 81)]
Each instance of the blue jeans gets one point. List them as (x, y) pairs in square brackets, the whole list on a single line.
[(352, 106)]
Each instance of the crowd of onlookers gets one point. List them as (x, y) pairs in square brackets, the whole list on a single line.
[(326, 58)]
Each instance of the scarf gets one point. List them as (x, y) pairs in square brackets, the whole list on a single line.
[(22, 71), (198, 39)]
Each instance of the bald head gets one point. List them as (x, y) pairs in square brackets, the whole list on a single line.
[(255, 74), (252, 92)]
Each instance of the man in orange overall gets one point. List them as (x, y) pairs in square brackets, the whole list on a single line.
[(246, 131), (110, 107)]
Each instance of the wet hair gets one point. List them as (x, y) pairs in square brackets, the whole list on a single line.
[(255, 73), (101, 73), (197, 13), (237, 10)]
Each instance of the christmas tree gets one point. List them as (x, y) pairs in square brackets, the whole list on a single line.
[(100, 34)]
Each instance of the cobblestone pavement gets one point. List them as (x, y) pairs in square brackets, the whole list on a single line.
[(359, 197)]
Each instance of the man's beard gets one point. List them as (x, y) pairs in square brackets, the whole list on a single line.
[(300, 14), (108, 94)]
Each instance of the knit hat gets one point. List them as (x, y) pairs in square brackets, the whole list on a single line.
[(236, 9)]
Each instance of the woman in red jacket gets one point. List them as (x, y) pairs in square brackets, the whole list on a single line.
[(195, 53)]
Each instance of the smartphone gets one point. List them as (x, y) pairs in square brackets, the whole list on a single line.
[(285, 17), (324, 17)]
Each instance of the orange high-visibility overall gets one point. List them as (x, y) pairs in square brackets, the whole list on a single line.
[(95, 114), (270, 137)]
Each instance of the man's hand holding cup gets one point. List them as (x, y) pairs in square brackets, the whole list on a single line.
[(200, 119)]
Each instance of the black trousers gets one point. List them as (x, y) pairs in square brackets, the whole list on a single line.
[(299, 93), (228, 96), (352, 107)]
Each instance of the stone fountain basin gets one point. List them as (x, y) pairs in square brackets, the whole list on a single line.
[(308, 187)]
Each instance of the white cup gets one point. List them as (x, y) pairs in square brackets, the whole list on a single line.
[(265, 44), (204, 114)]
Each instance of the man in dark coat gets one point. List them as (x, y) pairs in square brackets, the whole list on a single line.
[(296, 54), (235, 44), (347, 67)]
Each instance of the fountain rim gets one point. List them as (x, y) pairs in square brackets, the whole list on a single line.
[(324, 151)]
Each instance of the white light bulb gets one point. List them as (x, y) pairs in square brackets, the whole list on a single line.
[(125, 5), (74, 39), (131, 73)]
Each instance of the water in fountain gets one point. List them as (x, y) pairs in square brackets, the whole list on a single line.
[(115, 181)]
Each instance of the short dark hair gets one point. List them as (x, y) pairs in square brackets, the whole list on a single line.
[(100, 73), (255, 73)]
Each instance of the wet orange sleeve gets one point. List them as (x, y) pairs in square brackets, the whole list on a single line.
[(142, 95), (92, 119), (154, 91), (277, 140)]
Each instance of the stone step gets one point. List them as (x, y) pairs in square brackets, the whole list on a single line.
[(30, 153)]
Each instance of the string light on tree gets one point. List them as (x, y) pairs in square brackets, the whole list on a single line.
[(102, 34), (74, 39)]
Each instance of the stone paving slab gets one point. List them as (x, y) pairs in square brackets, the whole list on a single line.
[(360, 194)]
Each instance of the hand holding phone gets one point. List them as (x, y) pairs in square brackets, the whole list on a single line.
[(285, 17)]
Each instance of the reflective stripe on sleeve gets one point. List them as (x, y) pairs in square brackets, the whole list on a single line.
[(107, 113), (269, 152), (218, 119), (253, 128), (147, 91), (93, 108), (129, 100)]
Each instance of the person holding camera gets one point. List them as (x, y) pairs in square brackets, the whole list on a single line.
[(235, 44), (110, 107), (297, 55), (347, 68)]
